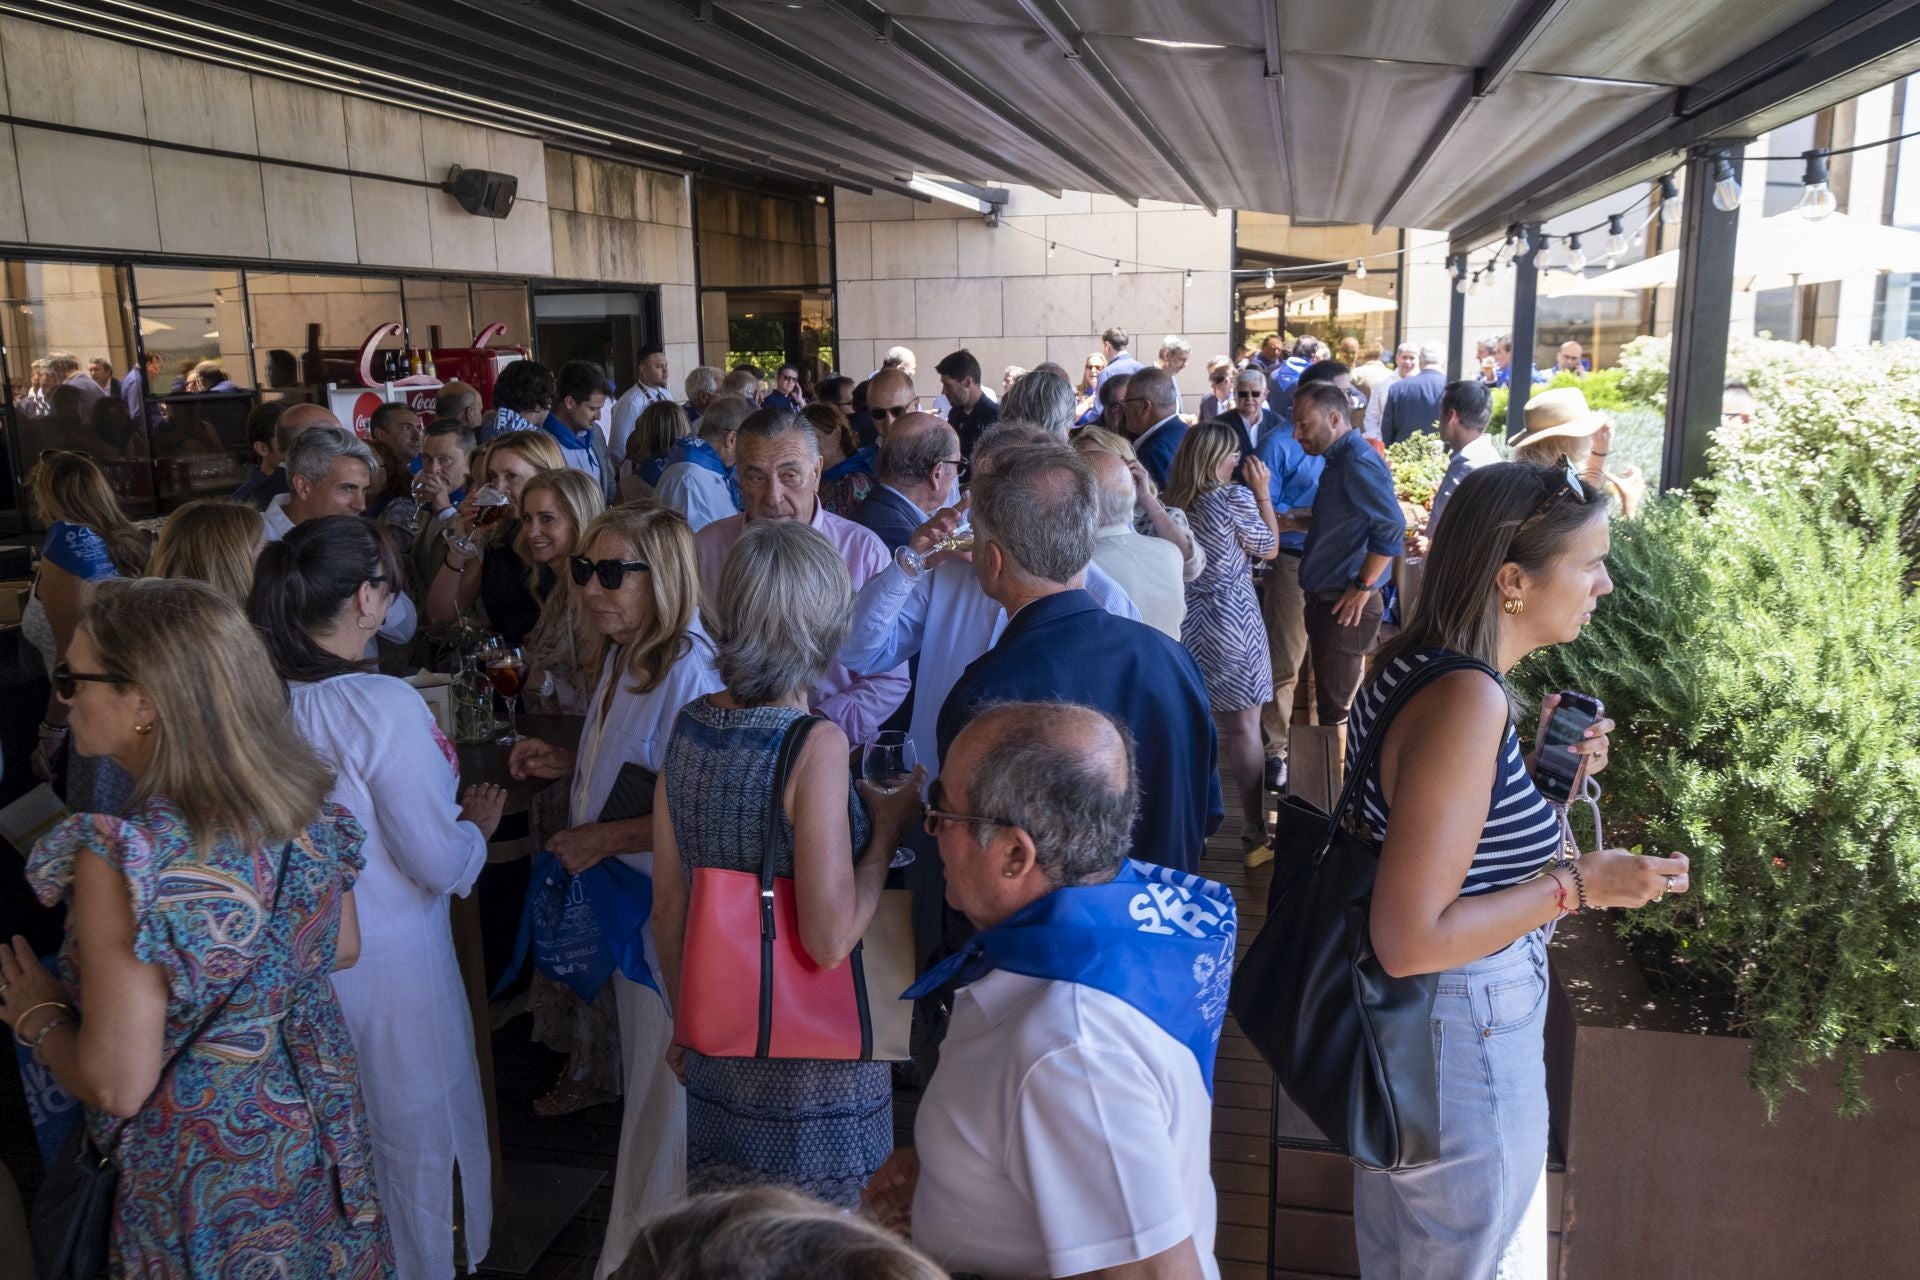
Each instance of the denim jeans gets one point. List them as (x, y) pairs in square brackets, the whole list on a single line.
[(1480, 1211)]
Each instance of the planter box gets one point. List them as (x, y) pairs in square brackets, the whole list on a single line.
[(1662, 1162)]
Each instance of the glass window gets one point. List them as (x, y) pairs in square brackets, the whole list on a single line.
[(313, 327), (68, 329), (193, 329), (503, 304)]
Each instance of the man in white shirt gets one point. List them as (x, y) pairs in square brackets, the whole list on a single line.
[(1066, 1131), (698, 481), (1465, 412), (1150, 570), (1406, 362), (329, 471), (651, 388)]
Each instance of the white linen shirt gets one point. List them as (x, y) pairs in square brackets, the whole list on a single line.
[(1477, 453), (1150, 570), (402, 618), (943, 616), (626, 415), (696, 493), (1064, 1132)]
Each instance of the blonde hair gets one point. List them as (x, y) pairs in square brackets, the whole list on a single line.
[(1196, 467), (213, 541), (662, 537), (561, 638), (70, 487), (225, 750), (537, 447), (1101, 440), (660, 426)]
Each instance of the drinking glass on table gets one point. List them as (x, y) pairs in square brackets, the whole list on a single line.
[(887, 763), (507, 670)]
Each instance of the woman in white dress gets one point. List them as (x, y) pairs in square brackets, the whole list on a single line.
[(317, 595), (638, 583)]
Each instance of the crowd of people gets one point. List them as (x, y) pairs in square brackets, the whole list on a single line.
[(1084, 613)]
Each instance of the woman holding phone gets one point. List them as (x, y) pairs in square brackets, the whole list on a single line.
[(1472, 867)]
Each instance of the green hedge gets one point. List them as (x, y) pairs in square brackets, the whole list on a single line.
[(1602, 388)]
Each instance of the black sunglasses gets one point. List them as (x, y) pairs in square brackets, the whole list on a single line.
[(1564, 480), (881, 411), (1248, 394), (66, 681), (610, 572)]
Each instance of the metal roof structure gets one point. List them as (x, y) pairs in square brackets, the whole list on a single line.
[(1462, 115)]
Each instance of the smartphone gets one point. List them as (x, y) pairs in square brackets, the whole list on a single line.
[(1556, 767)]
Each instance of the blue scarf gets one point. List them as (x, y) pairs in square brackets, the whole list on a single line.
[(859, 461), (1159, 939), (697, 452), (652, 469)]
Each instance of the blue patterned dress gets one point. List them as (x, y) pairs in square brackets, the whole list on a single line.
[(252, 1157), (1222, 628), (820, 1127)]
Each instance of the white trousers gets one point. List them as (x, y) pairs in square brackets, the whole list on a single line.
[(652, 1169)]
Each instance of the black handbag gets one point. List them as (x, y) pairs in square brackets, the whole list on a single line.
[(1351, 1046), (72, 1224)]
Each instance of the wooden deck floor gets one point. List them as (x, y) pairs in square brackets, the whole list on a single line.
[(524, 1071)]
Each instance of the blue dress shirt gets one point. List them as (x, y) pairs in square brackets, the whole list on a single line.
[(1293, 477), (1354, 513)]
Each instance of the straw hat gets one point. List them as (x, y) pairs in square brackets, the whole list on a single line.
[(1561, 413)]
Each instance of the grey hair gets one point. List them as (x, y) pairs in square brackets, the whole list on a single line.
[(454, 398), (897, 356), (1432, 353), (777, 424), (911, 455), (1174, 345), (1042, 398), (1407, 346), (315, 449), (1039, 503), (1115, 481), (1037, 778), (1156, 387), (785, 604), (1250, 374), (740, 382), (703, 378), (724, 414)]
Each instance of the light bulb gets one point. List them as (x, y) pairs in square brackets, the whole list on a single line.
[(1524, 244), (1817, 201), (1669, 200), (1476, 286), (1726, 187), (1460, 285), (1576, 260), (1513, 239), (1360, 269), (1616, 238), (1189, 283), (1269, 277), (1116, 267)]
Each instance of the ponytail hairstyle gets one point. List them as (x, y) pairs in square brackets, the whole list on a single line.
[(1503, 512), (303, 582)]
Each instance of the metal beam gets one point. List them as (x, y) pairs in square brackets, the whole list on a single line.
[(1456, 326), (890, 30), (1053, 16), (1526, 287), (1702, 314), (1276, 90)]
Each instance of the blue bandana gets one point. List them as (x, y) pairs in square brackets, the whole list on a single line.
[(694, 450), (1157, 938), (858, 462)]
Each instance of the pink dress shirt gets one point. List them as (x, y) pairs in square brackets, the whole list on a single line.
[(858, 704)]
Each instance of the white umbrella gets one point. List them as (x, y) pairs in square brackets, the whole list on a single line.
[(1352, 303), (1776, 253)]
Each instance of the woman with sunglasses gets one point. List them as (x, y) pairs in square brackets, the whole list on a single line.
[(317, 595), (89, 538), (636, 583), (1219, 398), (481, 558), (1087, 394), (1471, 871), (192, 1015)]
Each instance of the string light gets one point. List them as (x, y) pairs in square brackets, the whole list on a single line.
[(1726, 187), (1359, 268), (1669, 200), (1616, 238), (1116, 268), (1576, 260), (1189, 283), (1051, 246), (1269, 277), (1816, 202)]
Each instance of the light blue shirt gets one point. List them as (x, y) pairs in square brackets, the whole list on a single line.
[(1122, 363), (695, 492), (943, 616)]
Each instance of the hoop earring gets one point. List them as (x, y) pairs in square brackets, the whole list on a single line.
[(1513, 607)]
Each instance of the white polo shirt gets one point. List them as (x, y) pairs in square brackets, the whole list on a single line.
[(1063, 1132)]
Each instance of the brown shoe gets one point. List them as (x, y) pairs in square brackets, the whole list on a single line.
[(570, 1096)]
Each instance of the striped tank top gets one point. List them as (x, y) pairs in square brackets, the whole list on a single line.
[(1522, 831)]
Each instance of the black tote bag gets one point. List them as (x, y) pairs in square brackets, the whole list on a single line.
[(1351, 1045)]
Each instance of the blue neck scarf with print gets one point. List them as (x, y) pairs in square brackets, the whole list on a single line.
[(694, 450), (860, 460), (1159, 939)]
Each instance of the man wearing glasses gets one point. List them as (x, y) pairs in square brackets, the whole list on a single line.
[(890, 397)]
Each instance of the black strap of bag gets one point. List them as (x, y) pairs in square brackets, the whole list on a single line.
[(73, 1213), (790, 745)]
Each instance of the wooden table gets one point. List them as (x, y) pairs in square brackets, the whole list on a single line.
[(487, 761)]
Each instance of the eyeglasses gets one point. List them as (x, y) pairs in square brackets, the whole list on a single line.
[(66, 681), (1248, 395), (1564, 480), (610, 572), (935, 816), (881, 411)]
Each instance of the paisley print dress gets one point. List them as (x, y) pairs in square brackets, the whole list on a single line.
[(251, 1158)]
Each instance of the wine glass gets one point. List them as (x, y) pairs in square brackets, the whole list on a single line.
[(914, 562), (887, 764), (507, 669)]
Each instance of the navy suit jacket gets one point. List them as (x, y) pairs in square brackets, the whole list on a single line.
[(1157, 454), (889, 515), (1413, 406), (1066, 648)]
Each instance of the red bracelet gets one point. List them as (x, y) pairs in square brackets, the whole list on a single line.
[(1559, 895)]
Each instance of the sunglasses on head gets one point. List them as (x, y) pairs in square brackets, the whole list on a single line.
[(1564, 480), (610, 572), (66, 681)]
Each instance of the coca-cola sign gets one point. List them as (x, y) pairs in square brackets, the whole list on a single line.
[(363, 406)]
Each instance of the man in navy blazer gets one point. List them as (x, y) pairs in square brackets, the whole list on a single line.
[(1413, 403), (916, 466), (1034, 513), (1153, 421)]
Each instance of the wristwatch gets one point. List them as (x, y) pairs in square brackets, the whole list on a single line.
[(1358, 585)]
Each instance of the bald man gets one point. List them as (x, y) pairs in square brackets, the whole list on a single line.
[(917, 466), (1151, 569), (1571, 359), (286, 430)]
